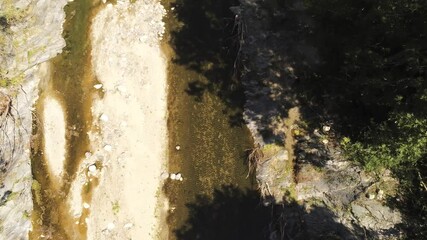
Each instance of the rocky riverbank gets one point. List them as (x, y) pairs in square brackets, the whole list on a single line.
[(321, 194), (128, 144), (31, 34)]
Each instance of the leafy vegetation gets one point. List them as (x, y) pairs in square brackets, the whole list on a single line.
[(387, 146)]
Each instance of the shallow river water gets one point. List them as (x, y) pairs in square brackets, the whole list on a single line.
[(70, 82), (216, 199)]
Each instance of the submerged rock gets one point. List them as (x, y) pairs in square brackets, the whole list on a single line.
[(164, 176), (88, 154), (108, 148), (98, 86), (128, 226), (111, 226), (176, 176), (121, 89), (92, 168), (104, 118)]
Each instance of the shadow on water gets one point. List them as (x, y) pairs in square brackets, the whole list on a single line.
[(206, 42), (306, 54), (208, 130), (209, 204), (229, 214), (233, 214)]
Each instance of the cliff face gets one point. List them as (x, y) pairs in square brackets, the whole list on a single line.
[(322, 195), (30, 33)]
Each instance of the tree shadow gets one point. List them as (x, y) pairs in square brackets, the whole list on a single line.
[(325, 88), (295, 221), (349, 64), (235, 214), (229, 214), (347, 61), (204, 41)]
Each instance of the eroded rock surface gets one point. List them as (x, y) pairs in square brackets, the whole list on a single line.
[(32, 38)]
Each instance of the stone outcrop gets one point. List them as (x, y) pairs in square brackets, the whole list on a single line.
[(33, 37), (322, 194)]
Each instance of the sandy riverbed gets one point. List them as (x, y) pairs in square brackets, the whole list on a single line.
[(128, 62), (130, 146), (54, 135)]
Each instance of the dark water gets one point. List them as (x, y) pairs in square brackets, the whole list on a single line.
[(216, 200), (70, 82)]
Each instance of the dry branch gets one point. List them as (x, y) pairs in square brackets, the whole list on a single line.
[(254, 158)]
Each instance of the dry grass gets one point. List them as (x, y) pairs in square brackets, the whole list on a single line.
[(254, 157)]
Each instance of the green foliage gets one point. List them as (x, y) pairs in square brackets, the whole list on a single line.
[(402, 143)]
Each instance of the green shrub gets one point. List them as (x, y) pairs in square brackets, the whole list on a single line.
[(400, 141)]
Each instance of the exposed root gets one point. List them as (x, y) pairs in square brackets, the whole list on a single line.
[(254, 157), (10, 131), (5, 106), (240, 27)]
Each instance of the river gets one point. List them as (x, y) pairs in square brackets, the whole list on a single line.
[(217, 199), (70, 83), (208, 141)]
